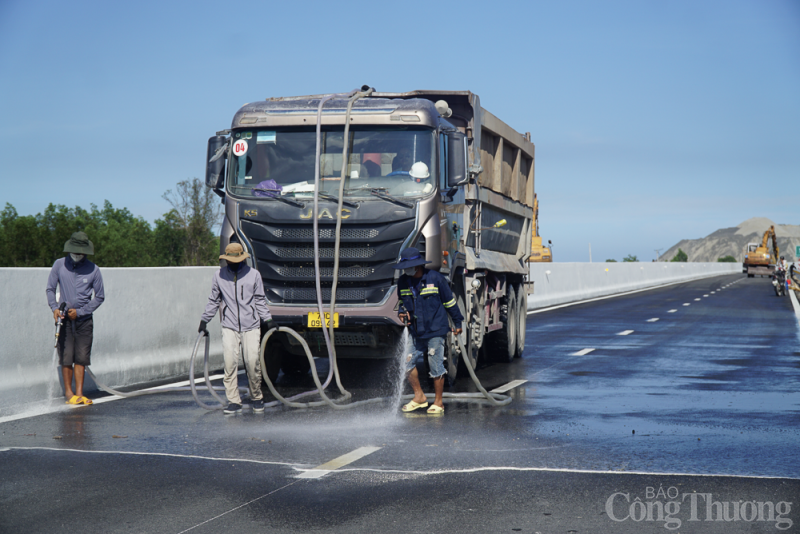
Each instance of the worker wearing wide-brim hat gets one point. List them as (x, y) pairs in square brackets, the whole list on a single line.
[(427, 300), (238, 291), (81, 290)]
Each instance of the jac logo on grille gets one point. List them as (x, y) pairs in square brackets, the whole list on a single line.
[(325, 213)]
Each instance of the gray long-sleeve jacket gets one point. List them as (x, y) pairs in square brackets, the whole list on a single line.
[(77, 283), (240, 295)]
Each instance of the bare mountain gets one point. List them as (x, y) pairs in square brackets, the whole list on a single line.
[(731, 241)]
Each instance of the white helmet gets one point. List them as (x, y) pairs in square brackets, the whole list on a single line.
[(419, 171)]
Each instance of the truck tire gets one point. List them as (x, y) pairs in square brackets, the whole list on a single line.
[(467, 334), (273, 358), (504, 345), (294, 365), (452, 361), (522, 318)]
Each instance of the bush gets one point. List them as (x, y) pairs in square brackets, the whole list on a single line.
[(727, 259), (680, 256)]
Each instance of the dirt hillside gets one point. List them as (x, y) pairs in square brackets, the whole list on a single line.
[(731, 241)]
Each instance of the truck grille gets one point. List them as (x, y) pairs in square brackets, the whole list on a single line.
[(324, 233), (284, 254), (325, 252), (325, 272)]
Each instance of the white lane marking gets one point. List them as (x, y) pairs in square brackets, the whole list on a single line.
[(508, 387), (672, 311), (102, 400), (686, 304), (397, 471), (697, 300), (654, 319), (704, 296), (336, 463), (582, 352), (625, 333)]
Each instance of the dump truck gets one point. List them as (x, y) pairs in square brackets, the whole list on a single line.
[(427, 169), (758, 259)]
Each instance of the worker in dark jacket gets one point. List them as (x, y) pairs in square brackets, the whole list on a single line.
[(78, 280), (426, 302), (239, 291)]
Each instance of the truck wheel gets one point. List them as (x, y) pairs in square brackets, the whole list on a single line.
[(273, 358), (467, 333), (451, 353), (522, 318), (294, 365), (505, 339)]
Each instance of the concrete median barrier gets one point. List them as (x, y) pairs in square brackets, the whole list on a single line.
[(143, 332), (145, 329), (562, 283)]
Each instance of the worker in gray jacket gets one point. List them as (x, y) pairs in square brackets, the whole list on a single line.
[(238, 291)]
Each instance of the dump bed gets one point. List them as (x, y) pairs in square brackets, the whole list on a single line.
[(502, 158)]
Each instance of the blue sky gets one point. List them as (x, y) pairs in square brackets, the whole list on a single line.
[(653, 121)]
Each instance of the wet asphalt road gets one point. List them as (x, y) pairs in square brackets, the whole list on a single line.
[(698, 407)]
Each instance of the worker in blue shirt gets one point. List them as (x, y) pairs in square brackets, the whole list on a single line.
[(426, 300), (81, 290)]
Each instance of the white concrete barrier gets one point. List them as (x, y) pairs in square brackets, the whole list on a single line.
[(143, 332), (562, 283)]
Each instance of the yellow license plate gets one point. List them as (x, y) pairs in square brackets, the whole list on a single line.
[(314, 322)]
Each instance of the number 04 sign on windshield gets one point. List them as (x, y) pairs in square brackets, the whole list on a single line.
[(240, 148)]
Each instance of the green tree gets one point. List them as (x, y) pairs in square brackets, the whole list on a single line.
[(727, 259), (680, 256), (630, 258), (197, 211), (611, 261), (169, 240)]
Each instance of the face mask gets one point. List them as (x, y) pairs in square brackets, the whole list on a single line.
[(234, 266), (77, 258), (411, 271)]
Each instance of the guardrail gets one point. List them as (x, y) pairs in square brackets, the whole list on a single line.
[(562, 283)]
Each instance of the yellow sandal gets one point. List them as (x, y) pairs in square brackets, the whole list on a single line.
[(411, 406)]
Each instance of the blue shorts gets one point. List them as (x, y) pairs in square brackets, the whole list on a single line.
[(434, 349)]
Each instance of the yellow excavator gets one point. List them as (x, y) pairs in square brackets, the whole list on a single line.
[(539, 253), (758, 259)]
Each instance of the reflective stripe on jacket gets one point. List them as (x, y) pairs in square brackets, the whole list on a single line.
[(429, 303), (240, 295)]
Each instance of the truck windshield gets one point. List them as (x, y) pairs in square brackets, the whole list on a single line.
[(271, 162)]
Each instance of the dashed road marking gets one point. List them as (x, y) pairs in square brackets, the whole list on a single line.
[(582, 352), (625, 333), (336, 463), (704, 296), (654, 319), (508, 387), (686, 304), (697, 300), (672, 311)]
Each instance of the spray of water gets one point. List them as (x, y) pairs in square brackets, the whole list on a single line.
[(53, 385), (403, 350)]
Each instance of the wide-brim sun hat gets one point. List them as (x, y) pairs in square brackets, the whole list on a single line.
[(410, 257), (79, 243), (235, 253)]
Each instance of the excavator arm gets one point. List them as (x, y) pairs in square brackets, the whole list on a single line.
[(775, 254)]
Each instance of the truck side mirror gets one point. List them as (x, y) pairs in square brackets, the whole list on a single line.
[(215, 161), (456, 159)]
